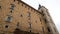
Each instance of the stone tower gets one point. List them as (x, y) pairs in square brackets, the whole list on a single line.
[(48, 20), (17, 17)]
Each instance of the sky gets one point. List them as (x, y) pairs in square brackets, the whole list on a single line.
[(52, 5)]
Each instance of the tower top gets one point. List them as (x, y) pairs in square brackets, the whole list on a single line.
[(39, 7)]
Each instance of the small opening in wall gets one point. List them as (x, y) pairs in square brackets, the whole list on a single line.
[(22, 4), (43, 29), (45, 20), (29, 18), (28, 14), (30, 30), (29, 25), (21, 15), (11, 11), (17, 24), (6, 26), (48, 29), (0, 7)]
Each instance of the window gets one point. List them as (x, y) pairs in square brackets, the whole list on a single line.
[(29, 25), (0, 7), (6, 26), (8, 19), (28, 14), (22, 4), (45, 20), (48, 29), (30, 30), (11, 11), (40, 20), (12, 7), (17, 24), (21, 15), (28, 18)]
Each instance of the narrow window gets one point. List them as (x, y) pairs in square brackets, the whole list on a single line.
[(12, 7), (45, 20), (42, 29), (48, 29), (30, 30), (28, 14), (21, 15), (40, 20), (28, 18), (22, 4), (8, 18), (11, 11), (17, 24), (0, 7), (29, 25)]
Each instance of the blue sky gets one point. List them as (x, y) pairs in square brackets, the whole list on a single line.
[(52, 5)]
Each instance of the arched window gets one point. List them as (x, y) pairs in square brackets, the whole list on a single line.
[(8, 18)]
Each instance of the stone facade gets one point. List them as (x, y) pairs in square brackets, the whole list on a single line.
[(17, 17)]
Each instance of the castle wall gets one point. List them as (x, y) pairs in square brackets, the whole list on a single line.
[(16, 14)]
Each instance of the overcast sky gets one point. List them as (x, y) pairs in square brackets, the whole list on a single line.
[(52, 5)]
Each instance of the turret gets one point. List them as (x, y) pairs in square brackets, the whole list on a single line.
[(48, 20)]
